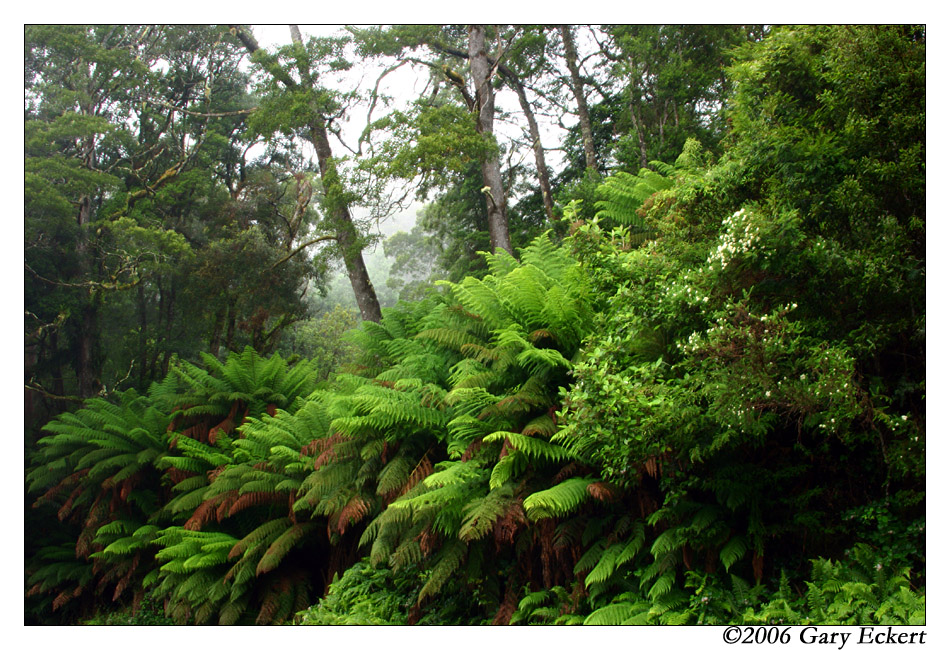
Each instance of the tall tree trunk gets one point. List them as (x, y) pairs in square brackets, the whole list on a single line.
[(542, 169), (30, 357), (346, 236), (142, 307), (86, 345), (577, 88), (485, 116), (156, 352), (229, 337), (215, 342), (59, 386), (638, 124)]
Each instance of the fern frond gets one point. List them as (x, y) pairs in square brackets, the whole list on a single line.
[(534, 448), (281, 546), (557, 501), (481, 514), (733, 551), (450, 558), (623, 194)]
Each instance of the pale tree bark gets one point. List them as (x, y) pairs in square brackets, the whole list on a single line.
[(485, 115), (577, 88), (544, 180), (346, 235), (637, 122)]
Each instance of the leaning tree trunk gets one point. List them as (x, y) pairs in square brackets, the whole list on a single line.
[(346, 236), (577, 88), (485, 115), (542, 169)]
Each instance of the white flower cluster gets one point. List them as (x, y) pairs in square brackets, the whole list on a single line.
[(694, 341), (740, 237), (686, 291)]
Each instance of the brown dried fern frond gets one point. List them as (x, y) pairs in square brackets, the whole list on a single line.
[(251, 499), (354, 511), (177, 475), (566, 472), (422, 469), (602, 491), (123, 582), (428, 541), (224, 504), (509, 603), (508, 524), (127, 486), (207, 510), (229, 423), (326, 448), (544, 534), (197, 431), (67, 507), (472, 449), (279, 589)]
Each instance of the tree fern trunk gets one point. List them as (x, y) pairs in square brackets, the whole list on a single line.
[(142, 360)]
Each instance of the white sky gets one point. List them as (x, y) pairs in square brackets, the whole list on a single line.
[(404, 85)]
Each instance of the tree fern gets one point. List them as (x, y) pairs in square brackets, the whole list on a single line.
[(480, 514), (623, 194), (557, 501), (450, 559)]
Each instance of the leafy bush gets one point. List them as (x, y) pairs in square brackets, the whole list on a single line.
[(150, 611), (859, 591), (363, 595)]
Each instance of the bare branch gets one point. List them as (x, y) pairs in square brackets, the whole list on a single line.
[(90, 285), (301, 247), (245, 111), (372, 105), (35, 387)]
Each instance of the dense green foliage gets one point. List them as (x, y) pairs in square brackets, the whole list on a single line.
[(702, 405)]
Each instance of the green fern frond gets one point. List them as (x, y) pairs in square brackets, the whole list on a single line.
[(282, 545), (557, 501), (623, 194), (507, 468), (450, 559), (733, 551), (533, 448), (613, 614), (481, 513), (605, 567), (662, 586)]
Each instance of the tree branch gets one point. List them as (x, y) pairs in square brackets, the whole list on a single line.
[(267, 60), (301, 247), (32, 385), (245, 111), (90, 285)]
